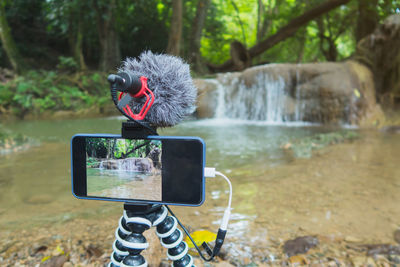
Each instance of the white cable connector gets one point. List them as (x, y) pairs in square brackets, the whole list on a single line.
[(225, 219), (211, 173)]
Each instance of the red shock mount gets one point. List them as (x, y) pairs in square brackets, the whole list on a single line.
[(144, 91)]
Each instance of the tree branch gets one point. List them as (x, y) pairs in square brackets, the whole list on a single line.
[(285, 32)]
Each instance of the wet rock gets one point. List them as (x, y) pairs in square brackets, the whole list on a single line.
[(383, 249), (246, 261), (207, 98), (394, 259), (396, 236), (93, 251), (370, 262), (393, 129), (39, 249), (298, 260), (57, 261), (358, 261), (165, 263), (332, 264), (300, 245), (129, 164), (317, 92), (381, 260)]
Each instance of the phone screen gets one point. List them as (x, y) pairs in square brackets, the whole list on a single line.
[(124, 168), (156, 170)]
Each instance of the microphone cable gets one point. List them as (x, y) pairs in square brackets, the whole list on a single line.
[(219, 241)]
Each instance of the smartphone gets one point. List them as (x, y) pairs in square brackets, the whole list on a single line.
[(156, 169)]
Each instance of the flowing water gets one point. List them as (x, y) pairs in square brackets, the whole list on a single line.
[(349, 189)]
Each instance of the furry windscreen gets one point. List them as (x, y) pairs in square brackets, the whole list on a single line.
[(169, 79)]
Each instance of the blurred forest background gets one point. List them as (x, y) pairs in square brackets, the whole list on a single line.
[(55, 54)]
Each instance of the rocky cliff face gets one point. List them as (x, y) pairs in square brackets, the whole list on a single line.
[(328, 93)]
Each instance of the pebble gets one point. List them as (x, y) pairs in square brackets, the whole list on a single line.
[(223, 264), (332, 264), (246, 261), (300, 245), (396, 236), (298, 260), (394, 259), (358, 261), (57, 261), (352, 239), (370, 262)]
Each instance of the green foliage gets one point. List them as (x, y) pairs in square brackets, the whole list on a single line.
[(118, 148), (38, 91), (222, 27), (67, 64), (45, 31)]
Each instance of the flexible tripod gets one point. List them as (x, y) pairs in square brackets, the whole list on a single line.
[(130, 241), (136, 219)]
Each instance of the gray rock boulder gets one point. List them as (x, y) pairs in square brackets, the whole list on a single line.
[(128, 164), (327, 93)]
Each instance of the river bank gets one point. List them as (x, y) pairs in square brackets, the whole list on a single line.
[(345, 195)]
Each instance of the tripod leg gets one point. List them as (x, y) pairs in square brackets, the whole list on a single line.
[(172, 239), (130, 241)]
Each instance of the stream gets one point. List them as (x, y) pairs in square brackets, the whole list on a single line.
[(348, 193)]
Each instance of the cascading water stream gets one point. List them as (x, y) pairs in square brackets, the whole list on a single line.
[(267, 99)]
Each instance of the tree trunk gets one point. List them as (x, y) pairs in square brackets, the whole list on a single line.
[(76, 36), (240, 21), (331, 53), (380, 51), (290, 29), (78, 51), (260, 20), (175, 33), (240, 56), (195, 38), (8, 43), (110, 54), (285, 32), (367, 19), (300, 53)]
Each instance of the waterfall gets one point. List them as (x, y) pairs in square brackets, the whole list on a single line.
[(295, 94), (266, 99), (128, 164)]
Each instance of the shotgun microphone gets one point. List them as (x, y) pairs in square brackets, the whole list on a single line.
[(154, 88)]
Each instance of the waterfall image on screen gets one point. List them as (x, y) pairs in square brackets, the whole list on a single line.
[(124, 168)]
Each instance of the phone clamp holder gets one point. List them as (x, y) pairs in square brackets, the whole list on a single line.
[(137, 218), (132, 129), (130, 241)]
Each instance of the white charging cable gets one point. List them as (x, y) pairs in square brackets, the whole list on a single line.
[(219, 241), (211, 173)]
